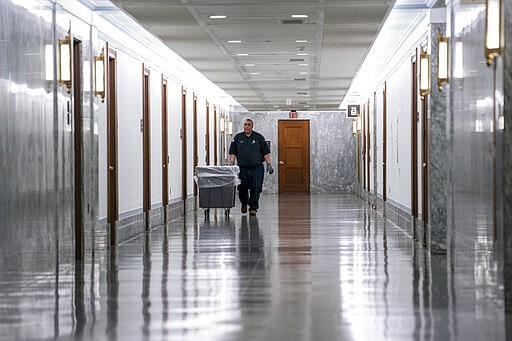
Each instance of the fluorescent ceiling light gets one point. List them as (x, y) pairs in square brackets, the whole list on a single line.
[(255, 73), (304, 73), (302, 41), (242, 54), (302, 54), (250, 65), (299, 15), (234, 41), (218, 16), (304, 64)]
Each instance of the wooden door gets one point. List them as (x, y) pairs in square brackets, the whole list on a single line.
[(293, 156), (165, 150), (146, 137), (77, 127), (112, 180), (215, 143), (424, 161)]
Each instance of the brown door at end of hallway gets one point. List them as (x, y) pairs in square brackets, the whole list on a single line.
[(293, 156), (146, 138), (112, 182), (165, 150), (77, 127)]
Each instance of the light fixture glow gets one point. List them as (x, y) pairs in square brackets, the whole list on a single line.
[(302, 16), (65, 62), (303, 64), (248, 65), (442, 57), (424, 74), (493, 30), (99, 76), (302, 41), (354, 126), (48, 61), (255, 73), (230, 127), (242, 54), (218, 16), (222, 124), (458, 70), (302, 54), (234, 41)]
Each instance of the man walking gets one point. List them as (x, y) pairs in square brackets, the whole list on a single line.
[(250, 150)]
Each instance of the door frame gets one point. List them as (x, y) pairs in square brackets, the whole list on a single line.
[(384, 143), (207, 135), (195, 140)]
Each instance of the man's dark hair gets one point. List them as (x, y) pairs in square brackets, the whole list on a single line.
[(248, 119)]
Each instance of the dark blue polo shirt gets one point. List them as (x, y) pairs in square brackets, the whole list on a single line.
[(249, 151)]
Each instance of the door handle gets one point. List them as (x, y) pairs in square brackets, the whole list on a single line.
[(281, 162), (111, 167)]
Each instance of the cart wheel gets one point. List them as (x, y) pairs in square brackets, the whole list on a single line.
[(207, 214), (226, 212)]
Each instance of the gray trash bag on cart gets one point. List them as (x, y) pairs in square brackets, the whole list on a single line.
[(217, 186)]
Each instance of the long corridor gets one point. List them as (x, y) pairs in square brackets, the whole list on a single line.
[(308, 267)]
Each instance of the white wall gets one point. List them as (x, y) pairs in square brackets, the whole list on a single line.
[(130, 170), (174, 124), (379, 108), (155, 114), (399, 135)]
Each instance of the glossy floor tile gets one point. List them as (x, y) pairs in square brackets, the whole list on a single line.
[(308, 267)]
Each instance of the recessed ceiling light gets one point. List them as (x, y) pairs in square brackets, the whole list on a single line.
[(242, 54), (250, 64), (302, 54), (234, 41), (304, 73), (301, 41), (306, 106), (218, 16), (299, 15)]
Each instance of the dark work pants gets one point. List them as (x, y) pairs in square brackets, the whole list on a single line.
[(251, 182)]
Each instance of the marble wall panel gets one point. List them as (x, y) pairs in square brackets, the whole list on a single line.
[(332, 148)]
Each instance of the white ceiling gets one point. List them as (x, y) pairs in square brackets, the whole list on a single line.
[(281, 63)]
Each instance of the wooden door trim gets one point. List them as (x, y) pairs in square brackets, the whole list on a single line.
[(146, 136), (424, 161), (368, 146), (414, 138), (207, 135), (78, 145), (184, 143), (384, 144), (165, 148), (112, 144), (215, 143), (195, 141)]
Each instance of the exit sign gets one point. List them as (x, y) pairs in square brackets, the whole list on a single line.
[(293, 114)]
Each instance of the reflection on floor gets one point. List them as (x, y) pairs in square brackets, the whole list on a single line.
[(318, 267)]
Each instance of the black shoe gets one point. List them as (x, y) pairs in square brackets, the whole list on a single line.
[(244, 208), (252, 213)]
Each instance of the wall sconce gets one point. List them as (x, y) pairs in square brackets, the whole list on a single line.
[(99, 76), (443, 60), (65, 62), (222, 124), (354, 126), (493, 29), (359, 124), (230, 127), (424, 74)]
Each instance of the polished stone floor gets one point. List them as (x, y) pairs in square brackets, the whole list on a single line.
[(308, 267)]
